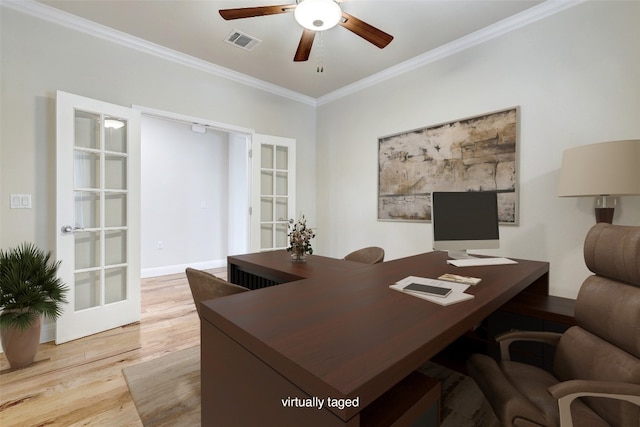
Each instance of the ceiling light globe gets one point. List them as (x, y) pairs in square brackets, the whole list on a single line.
[(113, 123), (318, 15)]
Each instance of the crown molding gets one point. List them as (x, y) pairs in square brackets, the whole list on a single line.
[(51, 14), (526, 17)]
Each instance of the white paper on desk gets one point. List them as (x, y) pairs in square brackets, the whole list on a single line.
[(457, 290), (479, 262)]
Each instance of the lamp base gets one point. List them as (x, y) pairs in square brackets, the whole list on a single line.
[(604, 215), (604, 208)]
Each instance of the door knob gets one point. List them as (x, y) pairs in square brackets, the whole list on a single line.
[(66, 229)]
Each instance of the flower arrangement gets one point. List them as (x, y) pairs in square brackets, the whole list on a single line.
[(300, 239)]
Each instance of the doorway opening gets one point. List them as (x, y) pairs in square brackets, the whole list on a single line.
[(195, 193)]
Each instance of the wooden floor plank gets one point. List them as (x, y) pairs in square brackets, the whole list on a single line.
[(81, 382)]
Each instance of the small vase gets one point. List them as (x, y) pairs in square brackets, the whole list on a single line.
[(298, 256)]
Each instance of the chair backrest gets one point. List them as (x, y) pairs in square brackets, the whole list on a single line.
[(205, 286), (605, 344), (369, 255)]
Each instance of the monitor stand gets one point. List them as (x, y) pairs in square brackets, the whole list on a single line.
[(461, 254)]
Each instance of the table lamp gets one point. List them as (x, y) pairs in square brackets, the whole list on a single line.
[(603, 170)]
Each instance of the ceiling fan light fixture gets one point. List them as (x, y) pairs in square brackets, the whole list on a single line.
[(113, 123), (318, 15)]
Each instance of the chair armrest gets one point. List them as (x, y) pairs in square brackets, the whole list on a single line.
[(566, 392), (507, 338)]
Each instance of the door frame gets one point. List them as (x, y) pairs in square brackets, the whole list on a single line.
[(236, 132), (49, 331)]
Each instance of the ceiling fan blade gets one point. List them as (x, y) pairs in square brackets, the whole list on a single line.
[(366, 31), (304, 47), (250, 12)]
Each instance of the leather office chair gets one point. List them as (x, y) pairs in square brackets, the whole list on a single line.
[(598, 357), (370, 255), (205, 286)]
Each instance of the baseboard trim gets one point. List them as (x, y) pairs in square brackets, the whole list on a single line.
[(179, 268), (48, 332)]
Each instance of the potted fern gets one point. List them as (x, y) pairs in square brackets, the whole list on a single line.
[(29, 290)]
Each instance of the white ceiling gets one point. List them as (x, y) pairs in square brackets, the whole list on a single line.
[(195, 28)]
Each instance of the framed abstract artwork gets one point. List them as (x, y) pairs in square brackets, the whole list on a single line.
[(478, 153)]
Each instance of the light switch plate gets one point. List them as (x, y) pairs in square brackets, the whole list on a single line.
[(21, 201)]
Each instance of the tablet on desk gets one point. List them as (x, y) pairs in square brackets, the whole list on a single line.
[(428, 289), (433, 290)]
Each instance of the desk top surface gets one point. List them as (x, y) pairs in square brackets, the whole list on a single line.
[(341, 332)]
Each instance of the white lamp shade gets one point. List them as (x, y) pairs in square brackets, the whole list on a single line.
[(607, 168), (318, 15)]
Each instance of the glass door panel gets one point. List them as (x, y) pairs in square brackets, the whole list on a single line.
[(115, 134), (274, 196), (101, 202), (87, 290), (266, 209), (87, 209), (282, 208), (281, 235), (273, 191), (282, 158), (115, 284), (266, 236), (282, 183), (115, 211), (87, 130), (97, 203), (115, 251), (86, 169), (266, 159), (115, 172), (88, 249), (266, 182)]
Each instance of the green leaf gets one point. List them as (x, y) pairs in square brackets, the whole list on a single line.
[(29, 286)]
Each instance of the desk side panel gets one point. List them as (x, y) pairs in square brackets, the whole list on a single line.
[(239, 276), (275, 267), (238, 389)]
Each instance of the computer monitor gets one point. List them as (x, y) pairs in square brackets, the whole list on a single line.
[(464, 220)]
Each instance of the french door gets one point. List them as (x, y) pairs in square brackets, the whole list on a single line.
[(97, 214), (274, 190)]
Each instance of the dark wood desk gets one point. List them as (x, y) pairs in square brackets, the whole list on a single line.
[(261, 270), (341, 334)]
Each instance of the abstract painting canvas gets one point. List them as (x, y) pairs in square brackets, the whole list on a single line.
[(473, 154)]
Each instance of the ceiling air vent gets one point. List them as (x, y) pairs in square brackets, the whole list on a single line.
[(242, 40)]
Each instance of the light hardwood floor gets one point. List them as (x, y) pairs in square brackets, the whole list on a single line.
[(80, 383)]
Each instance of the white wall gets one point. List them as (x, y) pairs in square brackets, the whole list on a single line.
[(185, 193), (40, 57), (575, 76)]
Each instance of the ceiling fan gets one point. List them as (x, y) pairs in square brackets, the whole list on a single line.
[(314, 15)]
